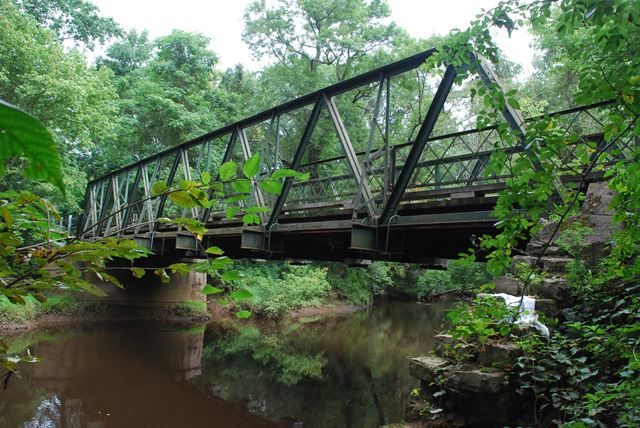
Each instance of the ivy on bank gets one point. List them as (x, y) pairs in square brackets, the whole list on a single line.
[(587, 373)]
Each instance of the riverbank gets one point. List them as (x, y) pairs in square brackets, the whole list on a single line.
[(69, 311), (72, 310)]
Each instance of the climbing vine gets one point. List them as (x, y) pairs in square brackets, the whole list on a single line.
[(586, 373)]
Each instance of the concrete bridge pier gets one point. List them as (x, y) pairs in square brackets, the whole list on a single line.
[(148, 295)]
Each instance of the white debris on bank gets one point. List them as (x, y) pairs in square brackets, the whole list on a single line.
[(527, 311)]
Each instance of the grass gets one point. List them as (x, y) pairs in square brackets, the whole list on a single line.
[(66, 304), (188, 308), (56, 304), (11, 313)]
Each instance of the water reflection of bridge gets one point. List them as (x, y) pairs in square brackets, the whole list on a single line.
[(105, 379), (336, 372), (380, 188)]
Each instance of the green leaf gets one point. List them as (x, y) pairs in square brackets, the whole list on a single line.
[(183, 199), (5, 269), (231, 275), (205, 177), (243, 314), (109, 278), (252, 166), (187, 184), (231, 212), (220, 263), (228, 170), (164, 277), (81, 284), (158, 188), (256, 210), (199, 197), (250, 219), (23, 135), (236, 198), (271, 186), (138, 272), (181, 268), (242, 185), (241, 294), (6, 215), (304, 177), (214, 250), (284, 173), (210, 289)]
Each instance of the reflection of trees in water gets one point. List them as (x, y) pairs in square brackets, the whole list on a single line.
[(350, 372), (116, 379), (364, 373), (270, 351)]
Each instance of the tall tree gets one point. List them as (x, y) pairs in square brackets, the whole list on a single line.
[(127, 54), (76, 102), (334, 32), (76, 20), (169, 93)]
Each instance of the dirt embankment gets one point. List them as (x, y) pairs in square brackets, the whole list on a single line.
[(126, 314), (45, 321), (219, 312), (324, 310)]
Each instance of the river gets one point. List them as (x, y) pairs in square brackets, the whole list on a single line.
[(348, 371)]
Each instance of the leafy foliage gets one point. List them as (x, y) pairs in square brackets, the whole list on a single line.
[(77, 20), (23, 135), (334, 33), (288, 365), (272, 293), (485, 319), (586, 375), (74, 101)]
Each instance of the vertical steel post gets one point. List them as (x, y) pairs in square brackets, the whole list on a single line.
[(147, 204), (295, 163), (386, 180), (225, 158), (186, 166), (130, 195), (106, 200), (163, 197), (276, 161), (257, 193)]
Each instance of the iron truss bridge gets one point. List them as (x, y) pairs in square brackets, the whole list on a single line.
[(390, 179)]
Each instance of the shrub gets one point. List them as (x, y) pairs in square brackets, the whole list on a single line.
[(66, 304), (432, 282), (359, 285), (297, 287), (459, 277), (15, 313)]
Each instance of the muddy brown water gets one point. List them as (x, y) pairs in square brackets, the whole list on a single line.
[(348, 371)]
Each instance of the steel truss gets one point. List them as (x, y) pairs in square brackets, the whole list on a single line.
[(377, 182)]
